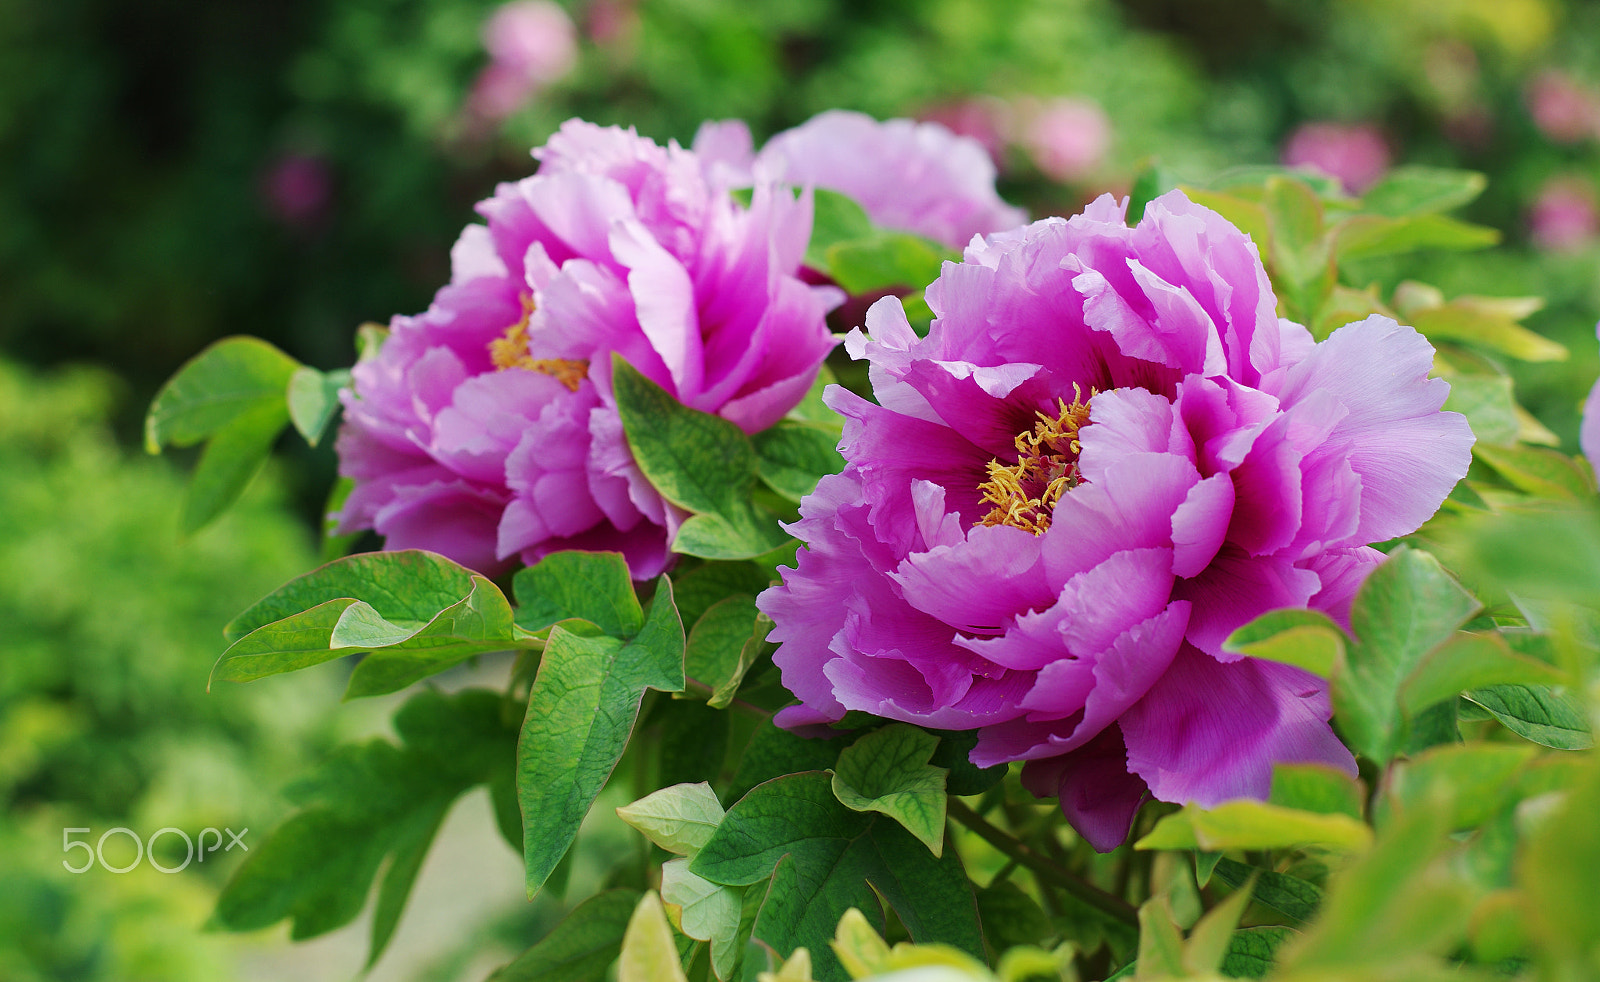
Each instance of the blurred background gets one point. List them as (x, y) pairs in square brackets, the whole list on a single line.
[(172, 172)]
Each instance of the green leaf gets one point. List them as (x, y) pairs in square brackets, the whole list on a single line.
[(1557, 874), (693, 740), (1316, 788), (1251, 951), (1481, 322), (365, 802), (408, 640), (648, 952), (1487, 403), (699, 462), (1537, 713), (955, 755), (813, 411), (834, 218), (1301, 263), (1415, 190), (887, 771), (1306, 639), (581, 710), (791, 458), (1538, 471), (1471, 661), (1010, 917), (885, 259), (773, 752), (231, 458), (679, 819), (1288, 895), (698, 589), (1407, 607), (709, 911), (590, 586), (1246, 824), (1211, 939), (723, 645), (313, 398), (1474, 778), (1393, 903), (1151, 182), (1369, 236), (232, 380), (580, 948), (1249, 216), (1160, 941), (824, 859)]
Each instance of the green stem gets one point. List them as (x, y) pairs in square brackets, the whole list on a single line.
[(1042, 866)]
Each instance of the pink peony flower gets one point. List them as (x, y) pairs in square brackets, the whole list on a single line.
[(1563, 216), (1067, 138), (1589, 431), (297, 189), (1107, 454), (918, 177), (531, 43), (1564, 109), (486, 428), (1354, 154), (984, 120)]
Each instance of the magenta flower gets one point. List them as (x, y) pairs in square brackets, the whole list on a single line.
[(486, 429), (1589, 432), (1563, 217), (531, 43), (1355, 154), (1067, 137), (917, 177), (1107, 454), (1563, 108)]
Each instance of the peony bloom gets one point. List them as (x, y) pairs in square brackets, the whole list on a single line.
[(1107, 454), (486, 428), (917, 177), (1067, 138), (1356, 155), (1563, 216), (1589, 432), (1564, 109), (531, 43)]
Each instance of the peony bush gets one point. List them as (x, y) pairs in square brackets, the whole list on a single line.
[(1164, 603)]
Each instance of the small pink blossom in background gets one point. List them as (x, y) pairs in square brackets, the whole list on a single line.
[(531, 43), (1067, 137), (297, 189), (610, 22), (984, 120), (1563, 215), (1355, 154), (1564, 109)]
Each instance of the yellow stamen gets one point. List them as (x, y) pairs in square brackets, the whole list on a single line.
[(1024, 494), (511, 351)]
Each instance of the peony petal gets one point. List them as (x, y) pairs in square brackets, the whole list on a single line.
[(1098, 794)]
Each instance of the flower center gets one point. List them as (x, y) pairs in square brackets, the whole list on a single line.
[(510, 350), (1024, 494)]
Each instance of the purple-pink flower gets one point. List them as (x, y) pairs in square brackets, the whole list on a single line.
[(531, 43), (1067, 137), (917, 177), (486, 429), (1356, 154), (1107, 454), (1563, 215)]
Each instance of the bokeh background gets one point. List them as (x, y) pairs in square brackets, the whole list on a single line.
[(172, 172)]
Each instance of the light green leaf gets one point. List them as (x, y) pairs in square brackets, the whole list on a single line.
[(1537, 713), (710, 912), (1559, 869), (234, 378), (1539, 471), (230, 459), (834, 218), (723, 645), (591, 586), (1487, 403), (1472, 661), (1211, 939), (791, 458), (1306, 639), (812, 411), (679, 819), (1479, 321), (1247, 824), (1316, 788), (885, 259), (295, 642), (1249, 216), (648, 952), (887, 771), (1370, 236), (1474, 778), (580, 948), (1416, 190), (1407, 607), (581, 710), (313, 397), (1160, 942)]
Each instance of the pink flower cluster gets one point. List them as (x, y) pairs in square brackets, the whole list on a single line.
[(1107, 454)]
